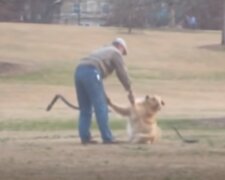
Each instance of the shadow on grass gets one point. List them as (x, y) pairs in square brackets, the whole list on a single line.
[(214, 47)]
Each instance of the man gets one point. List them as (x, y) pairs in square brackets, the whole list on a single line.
[(90, 91)]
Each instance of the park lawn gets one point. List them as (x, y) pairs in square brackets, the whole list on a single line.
[(186, 68)]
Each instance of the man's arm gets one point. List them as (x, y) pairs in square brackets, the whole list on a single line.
[(121, 71), (122, 75)]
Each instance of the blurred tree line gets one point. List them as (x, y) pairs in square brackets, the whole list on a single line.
[(35, 11), (194, 14), (201, 14), (137, 13), (208, 13), (223, 28)]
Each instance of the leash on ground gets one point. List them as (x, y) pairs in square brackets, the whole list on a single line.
[(185, 140), (58, 96)]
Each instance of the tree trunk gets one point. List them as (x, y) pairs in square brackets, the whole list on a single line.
[(130, 29), (130, 25), (223, 30)]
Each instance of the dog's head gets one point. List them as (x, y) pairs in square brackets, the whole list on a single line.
[(151, 105), (155, 102)]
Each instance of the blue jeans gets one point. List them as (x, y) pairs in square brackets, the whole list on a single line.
[(90, 92)]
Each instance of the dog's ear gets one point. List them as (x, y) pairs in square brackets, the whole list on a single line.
[(162, 103), (147, 97)]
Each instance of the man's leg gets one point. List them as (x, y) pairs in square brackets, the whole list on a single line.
[(85, 110), (98, 99)]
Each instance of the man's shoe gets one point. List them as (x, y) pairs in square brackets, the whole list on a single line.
[(89, 142)]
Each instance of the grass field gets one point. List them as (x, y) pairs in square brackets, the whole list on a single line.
[(186, 68)]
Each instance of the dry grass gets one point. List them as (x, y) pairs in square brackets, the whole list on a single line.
[(173, 64)]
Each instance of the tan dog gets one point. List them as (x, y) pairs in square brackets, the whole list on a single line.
[(142, 126)]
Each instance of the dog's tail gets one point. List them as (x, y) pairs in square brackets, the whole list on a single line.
[(58, 96)]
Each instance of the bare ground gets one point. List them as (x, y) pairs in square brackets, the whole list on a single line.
[(60, 156)]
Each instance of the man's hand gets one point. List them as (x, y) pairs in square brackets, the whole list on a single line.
[(131, 97)]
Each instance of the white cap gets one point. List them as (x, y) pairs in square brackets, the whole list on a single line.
[(121, 42)]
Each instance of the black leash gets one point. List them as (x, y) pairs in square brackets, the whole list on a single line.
[(58, 96), (185, 140)]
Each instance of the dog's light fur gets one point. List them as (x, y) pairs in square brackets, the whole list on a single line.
[(142, 125)]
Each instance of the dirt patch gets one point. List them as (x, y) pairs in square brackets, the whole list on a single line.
[(10, 68), (61, 156)]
